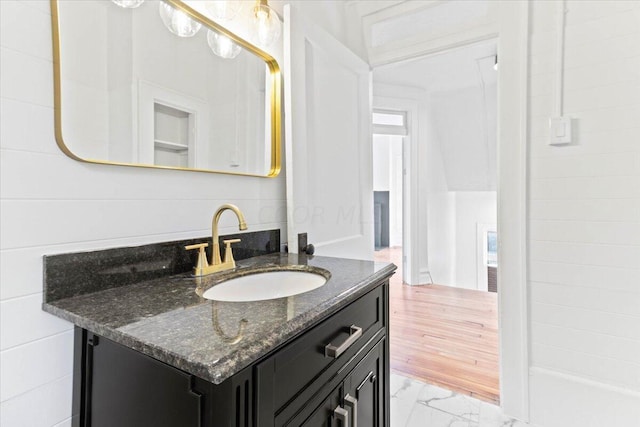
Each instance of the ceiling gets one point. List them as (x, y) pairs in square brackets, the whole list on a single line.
[(465, 67), (459, 88)]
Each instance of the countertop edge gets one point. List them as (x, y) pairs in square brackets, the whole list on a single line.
[(244, 355)]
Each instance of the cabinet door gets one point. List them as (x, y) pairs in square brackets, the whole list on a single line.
[(125, 388), (328, 413), (364, 390)]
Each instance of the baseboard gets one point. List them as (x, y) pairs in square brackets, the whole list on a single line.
[(424, 277), (563, 400)]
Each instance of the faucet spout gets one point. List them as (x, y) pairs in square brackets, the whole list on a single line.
[(242, 225), (203, 267)]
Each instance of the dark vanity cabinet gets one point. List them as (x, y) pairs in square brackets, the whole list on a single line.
[(358, 400), (335, 373)]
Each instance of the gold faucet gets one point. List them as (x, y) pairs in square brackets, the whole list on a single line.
[(203, 267)]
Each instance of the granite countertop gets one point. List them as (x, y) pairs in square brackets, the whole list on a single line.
[(167, 319)]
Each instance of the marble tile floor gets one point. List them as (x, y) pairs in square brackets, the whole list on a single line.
[(417, 404)]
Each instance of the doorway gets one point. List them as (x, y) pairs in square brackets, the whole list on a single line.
[(389, 138), (446, 328)]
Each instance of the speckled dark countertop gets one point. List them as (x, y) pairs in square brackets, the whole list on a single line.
[(166, 318)]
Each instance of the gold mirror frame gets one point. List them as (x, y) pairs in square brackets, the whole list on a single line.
[(275, 95)]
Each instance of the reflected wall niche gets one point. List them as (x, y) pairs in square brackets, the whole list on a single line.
[(132, 89)]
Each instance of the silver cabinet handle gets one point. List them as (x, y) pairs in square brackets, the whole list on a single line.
[(342, 415), (333, 351), (352, 403)]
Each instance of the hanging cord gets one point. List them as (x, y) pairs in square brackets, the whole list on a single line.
[(557, 99)]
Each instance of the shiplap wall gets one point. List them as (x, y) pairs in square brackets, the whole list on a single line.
[(584, 218), (52, 204)]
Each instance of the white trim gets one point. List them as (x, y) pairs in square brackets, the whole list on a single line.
[(535, 370), (513, 50), (381, 129), (482, 283), (563, 399), (418, 45)]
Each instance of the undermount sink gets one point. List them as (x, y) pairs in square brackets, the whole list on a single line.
[(266, 285)]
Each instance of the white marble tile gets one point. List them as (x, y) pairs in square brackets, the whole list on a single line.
[(425, 416), (448, 401), (404, 395), (492, 416), (416, 404)]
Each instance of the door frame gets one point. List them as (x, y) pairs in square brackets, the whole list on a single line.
[(410, 211), (511, 29)]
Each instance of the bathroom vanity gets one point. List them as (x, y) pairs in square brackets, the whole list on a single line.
[(157, 353)]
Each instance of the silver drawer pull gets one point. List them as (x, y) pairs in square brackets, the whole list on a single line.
[(342, 415), (352, 403), (333, 351)]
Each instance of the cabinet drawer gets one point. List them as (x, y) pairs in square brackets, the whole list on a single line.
[(321, 351), (364, 383)]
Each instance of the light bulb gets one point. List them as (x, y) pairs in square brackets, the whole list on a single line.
[(222, 45), (224, 9), (178, 22), (267, 25), (128, 4)]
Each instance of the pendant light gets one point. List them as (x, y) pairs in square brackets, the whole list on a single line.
[(224, 10), (267, 26), (178, 22), (222, 45), (128, 4)]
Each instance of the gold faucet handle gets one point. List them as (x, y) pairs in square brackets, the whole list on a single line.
[(196, 246), (202, 263), (228, 254)]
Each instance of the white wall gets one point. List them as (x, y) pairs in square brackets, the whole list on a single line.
[(452, 216), (338, 17), (396, 195), (381, 163), (471, 208), (466, 123), (584, 219), (583, 222), (85, 87), (438, 203), (52, 204)]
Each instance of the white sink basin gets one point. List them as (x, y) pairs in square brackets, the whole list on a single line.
[(265, 286)]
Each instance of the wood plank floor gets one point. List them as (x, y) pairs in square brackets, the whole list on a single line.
[(443, 335)]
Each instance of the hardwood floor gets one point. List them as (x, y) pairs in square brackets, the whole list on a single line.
[(443, 335)]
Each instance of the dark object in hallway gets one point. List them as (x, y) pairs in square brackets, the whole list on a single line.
[(381, 219), (492, 279)]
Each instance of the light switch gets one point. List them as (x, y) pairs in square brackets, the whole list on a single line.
[(560, 130)]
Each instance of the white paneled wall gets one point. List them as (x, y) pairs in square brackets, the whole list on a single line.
[(584, 219), (473, 209), (52, 204)]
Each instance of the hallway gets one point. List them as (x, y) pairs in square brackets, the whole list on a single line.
[(443, 335)]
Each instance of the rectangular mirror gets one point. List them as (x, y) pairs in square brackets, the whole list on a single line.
[(129, 91)]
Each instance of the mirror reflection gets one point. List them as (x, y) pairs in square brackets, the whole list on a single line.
[(155, 85)]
